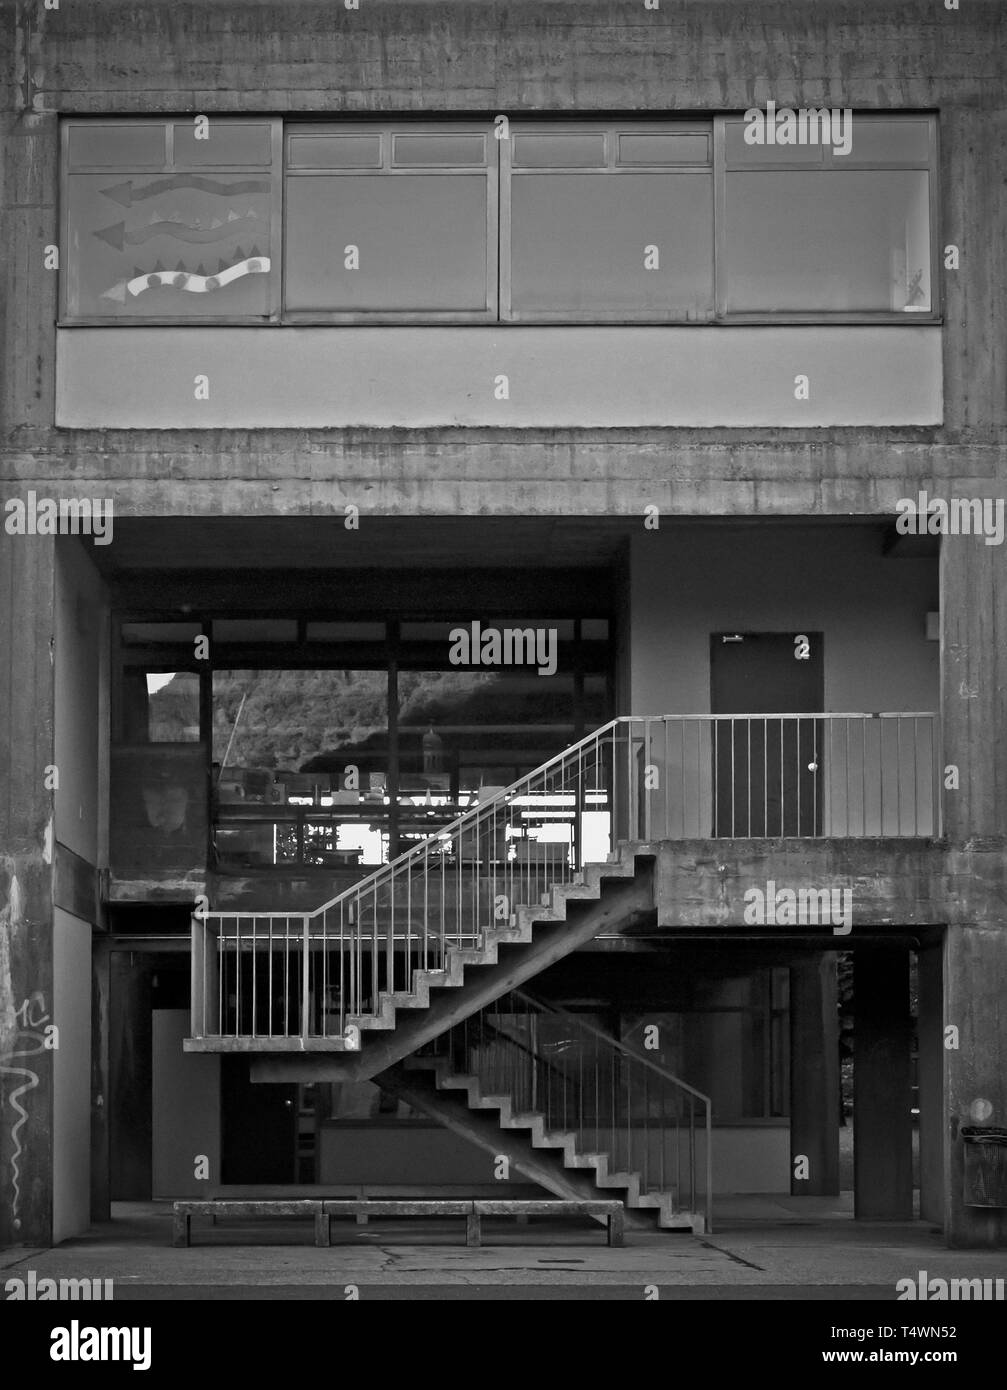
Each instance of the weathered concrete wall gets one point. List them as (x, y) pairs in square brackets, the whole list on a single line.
[(476, 55), (26, 883)]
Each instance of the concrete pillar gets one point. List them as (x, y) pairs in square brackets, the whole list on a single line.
[(882, 1084), (814, 1074), (974, 718), (27, 585), (976, 1070)]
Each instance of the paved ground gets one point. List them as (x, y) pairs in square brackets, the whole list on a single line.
[(763, 1248)]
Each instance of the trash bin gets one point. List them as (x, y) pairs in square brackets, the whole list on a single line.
[(985, 1165)]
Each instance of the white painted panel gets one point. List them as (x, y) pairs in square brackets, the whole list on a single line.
[(701, 377)]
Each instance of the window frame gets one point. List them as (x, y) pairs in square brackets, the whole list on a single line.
[(611, 131), (274, 172), (499, 168), (826, 161), (387, 131)]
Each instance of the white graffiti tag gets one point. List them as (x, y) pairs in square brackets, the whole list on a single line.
[(31, 1015)]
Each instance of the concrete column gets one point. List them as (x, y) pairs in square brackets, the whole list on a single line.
[(882, 1083), (975, 1070), (27, 580), (974, 717), (814, 1074)]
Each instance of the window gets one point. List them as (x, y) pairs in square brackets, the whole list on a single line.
[(810, 231), (588, 222), (608, 224), (391, 223), (164, 222)]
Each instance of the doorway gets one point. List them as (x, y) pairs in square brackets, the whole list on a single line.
[(766, 766)]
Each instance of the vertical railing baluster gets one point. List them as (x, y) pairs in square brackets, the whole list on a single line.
[(305, 981)]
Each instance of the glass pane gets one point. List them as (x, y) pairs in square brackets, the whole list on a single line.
[(300, 768), (828, 241), (738, 152), (439, 149), (560, 151), (652, 148), (226, 142), (334, 151), (157, 634), (890, 142), (346, 632), (463, 735), (420, 239), (160, 707), (127, 146), (255, 630), (579, 244), (178, 245)]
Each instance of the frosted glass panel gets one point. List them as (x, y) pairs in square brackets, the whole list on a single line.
[(227, 143), (649, 148), (168, 246), (334, 151), (439, 149), (829, 241), (560, 151), (579, 244), (421, 242)]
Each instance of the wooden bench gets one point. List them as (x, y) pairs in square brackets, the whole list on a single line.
[(322, 1211)]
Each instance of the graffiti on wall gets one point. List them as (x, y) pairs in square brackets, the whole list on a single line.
[(23, 1033)]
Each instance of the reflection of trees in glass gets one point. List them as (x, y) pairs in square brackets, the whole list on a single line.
[(173, 710), (290, 716), (298, 719)]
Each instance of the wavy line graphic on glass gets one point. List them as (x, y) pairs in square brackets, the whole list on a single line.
[(125, 194), (217, 230), (189, 281)]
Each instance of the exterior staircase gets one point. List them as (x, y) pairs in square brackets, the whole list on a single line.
[(633, 1137), (605, 896)]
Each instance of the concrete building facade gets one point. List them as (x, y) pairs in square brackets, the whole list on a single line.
[(357, 326)]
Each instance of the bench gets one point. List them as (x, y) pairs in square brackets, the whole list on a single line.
[(322, 1211), (183, 1212), (610, 1210)]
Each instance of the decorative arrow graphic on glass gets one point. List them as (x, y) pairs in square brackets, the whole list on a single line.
[(192, 282), (117, 235), (126, 194)]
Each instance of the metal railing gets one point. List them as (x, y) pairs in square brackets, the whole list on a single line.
[(306, 977), (581, 1081)]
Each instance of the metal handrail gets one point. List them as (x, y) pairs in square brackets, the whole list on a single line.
[(616, 1046), (614, 1043), (598, 1095)]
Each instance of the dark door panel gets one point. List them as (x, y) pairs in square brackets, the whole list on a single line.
[(766, 771)]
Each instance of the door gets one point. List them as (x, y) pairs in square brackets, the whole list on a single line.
[(258, 1126), (766, 771)]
